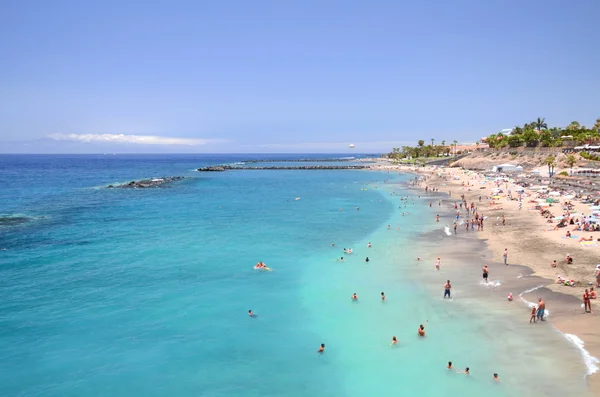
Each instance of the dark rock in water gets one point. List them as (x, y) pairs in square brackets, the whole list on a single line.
[(13, 220), (302, 167), (148, 183), (215, 168)]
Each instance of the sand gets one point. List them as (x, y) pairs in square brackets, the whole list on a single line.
[(529, 243)]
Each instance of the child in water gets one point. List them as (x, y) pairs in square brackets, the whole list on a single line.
[(533, 314)]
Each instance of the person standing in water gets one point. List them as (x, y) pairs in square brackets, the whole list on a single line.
[(421, 330), (321, 348), (437, 264), (447, 288), (354, 297), (541, 309), (382, 297), (250, 313), (485, 273), (505, 255), (394, 341)]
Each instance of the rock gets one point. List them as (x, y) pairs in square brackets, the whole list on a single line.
[(148, 183)]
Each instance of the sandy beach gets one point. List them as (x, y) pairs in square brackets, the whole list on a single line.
[(531, 243)]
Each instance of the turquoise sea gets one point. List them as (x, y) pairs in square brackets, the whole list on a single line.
[(145, 292)]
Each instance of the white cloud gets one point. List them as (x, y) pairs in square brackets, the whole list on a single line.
[(135, 139)]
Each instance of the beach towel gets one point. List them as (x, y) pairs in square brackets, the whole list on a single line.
[(588, 244), (573, 236)]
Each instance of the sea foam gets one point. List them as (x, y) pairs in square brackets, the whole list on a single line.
[(591, 362)]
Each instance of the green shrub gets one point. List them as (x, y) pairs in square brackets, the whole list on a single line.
[(563, 173)]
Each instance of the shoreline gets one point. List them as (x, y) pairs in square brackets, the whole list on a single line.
[(564, 302)]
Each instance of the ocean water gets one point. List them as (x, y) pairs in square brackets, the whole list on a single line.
[(118, 292)]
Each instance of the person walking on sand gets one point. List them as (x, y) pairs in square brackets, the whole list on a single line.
[(447, 288), (533, 315), (503, 221), (587, 304), (505, 255), (541, 309)]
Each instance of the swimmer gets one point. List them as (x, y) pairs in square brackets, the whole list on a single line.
[(382, 297), (341, 259), (418, 259), (510, 297), (389, 227), (367, 259), (332, 244), (496, 378), (250, 313), (466, 371), (394, 341), (354, 297), (421, 330), (369, 245), (321, 348), (345, 251), (450, 365)]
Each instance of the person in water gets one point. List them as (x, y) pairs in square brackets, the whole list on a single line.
[(394, 341), (510, 297), (421, 330), (466, 371), (321, 348), (382, 297), (450, 365), (532, 317), (496, 378), (250, 313), (369, 245), (354, 297), (485, 273), (447, 288), (367, 259), (341, 259)]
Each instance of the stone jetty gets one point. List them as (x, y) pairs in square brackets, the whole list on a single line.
[(147, 183), (220, 168), (300, 161)]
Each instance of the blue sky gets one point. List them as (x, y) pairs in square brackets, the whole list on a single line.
[(285, 76)]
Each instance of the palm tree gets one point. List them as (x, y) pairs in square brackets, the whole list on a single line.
[(421, 143), (540, 124), (571, 160), (573, 126), (444, 142), (432, 140), (550, 161), (597, 125)]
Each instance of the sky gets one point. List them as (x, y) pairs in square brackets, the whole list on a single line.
[(304, 76)]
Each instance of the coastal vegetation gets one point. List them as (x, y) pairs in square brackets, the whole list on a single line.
[(537, 133)]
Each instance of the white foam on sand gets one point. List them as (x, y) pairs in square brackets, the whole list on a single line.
[(532, 304), (591, 362), (447, 231)]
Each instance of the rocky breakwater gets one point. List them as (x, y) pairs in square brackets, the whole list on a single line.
[(220, 168), (147, 183)]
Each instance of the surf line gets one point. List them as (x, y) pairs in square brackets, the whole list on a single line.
[(592, 363)]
